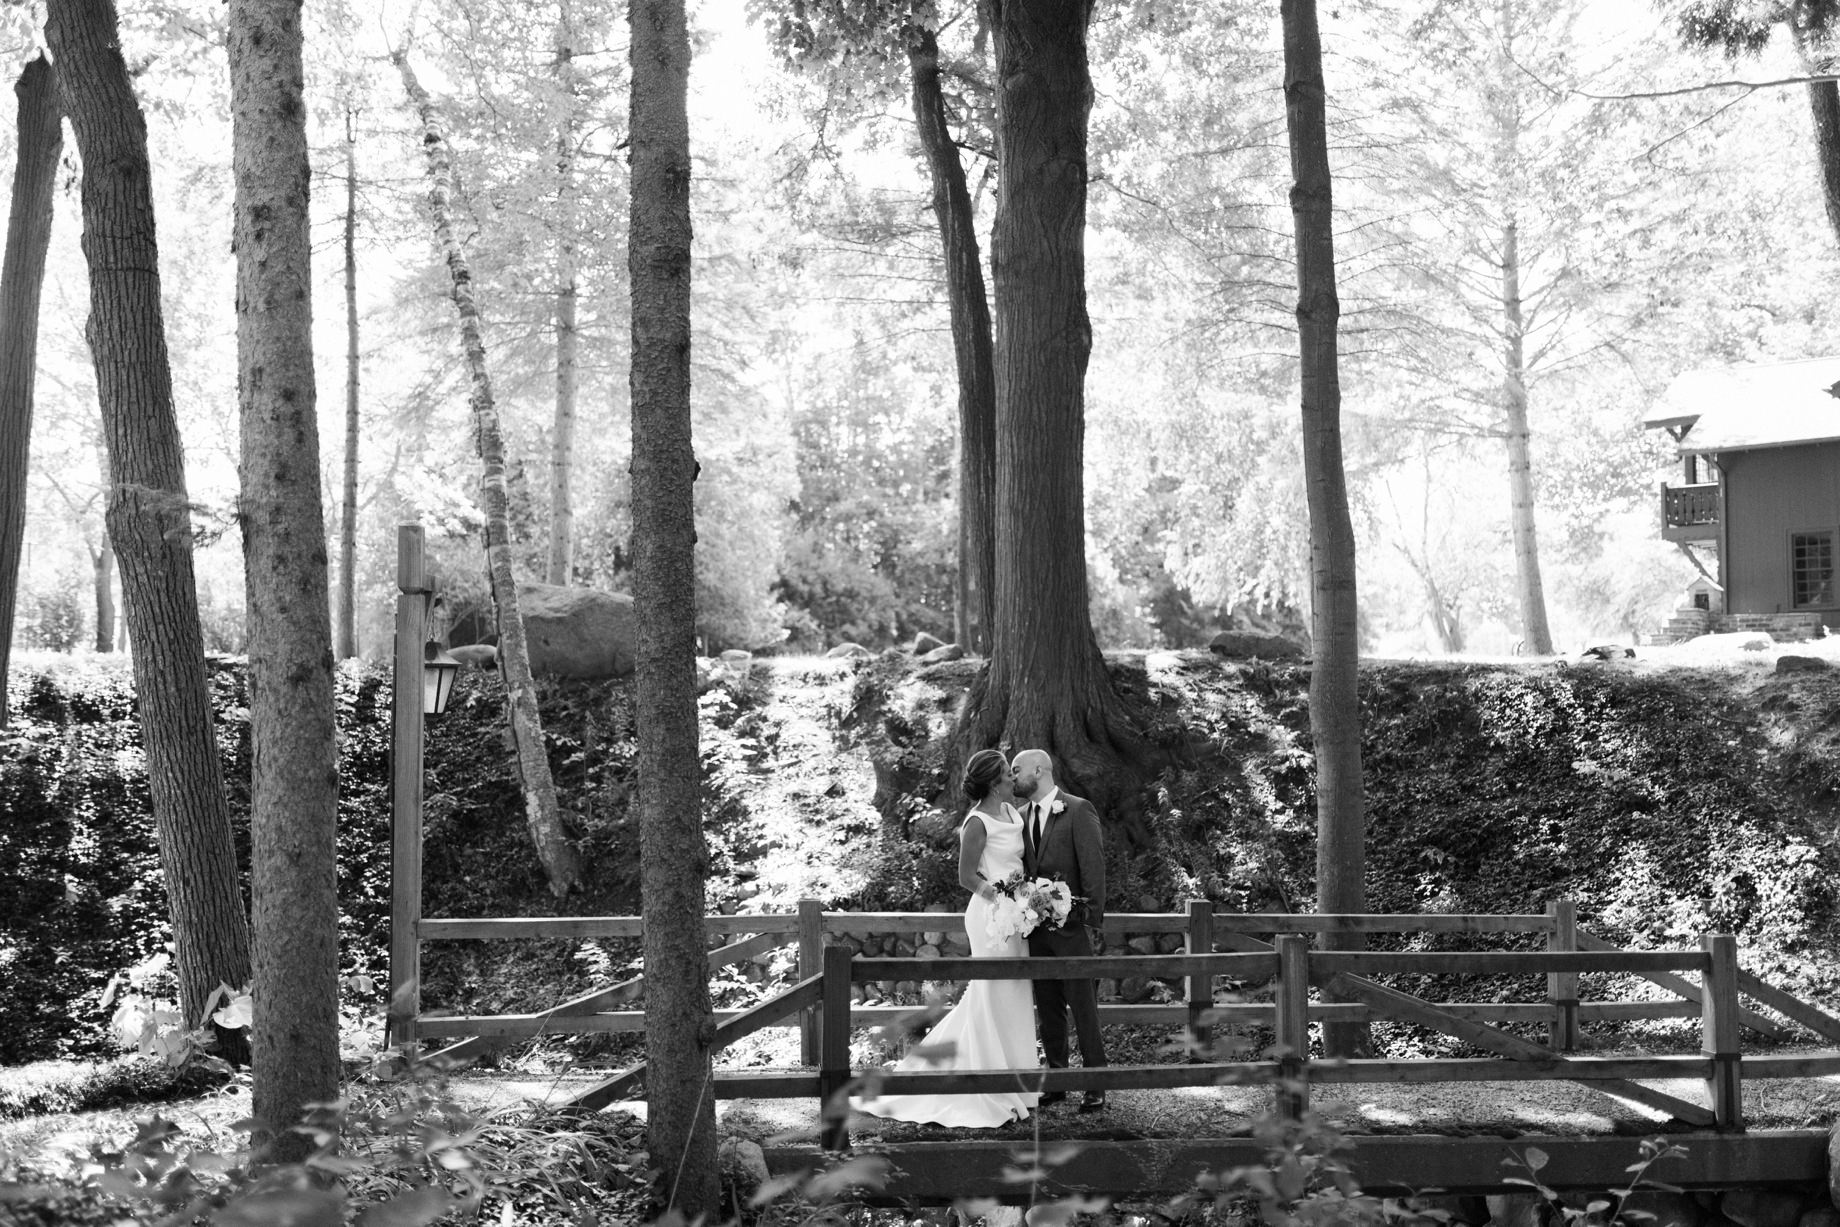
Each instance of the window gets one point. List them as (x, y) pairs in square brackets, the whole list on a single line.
[(1811, 569)]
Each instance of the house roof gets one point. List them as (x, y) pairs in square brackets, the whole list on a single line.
[(1734, 409)]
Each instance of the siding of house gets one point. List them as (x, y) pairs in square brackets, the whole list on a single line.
[(1770, 494)]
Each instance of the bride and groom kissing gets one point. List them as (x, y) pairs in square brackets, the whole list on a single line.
[(1021, 825)]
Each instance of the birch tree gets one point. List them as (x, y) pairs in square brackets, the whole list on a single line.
[(561, 862)]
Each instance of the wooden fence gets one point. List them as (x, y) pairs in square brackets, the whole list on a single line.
[(1215, 946)]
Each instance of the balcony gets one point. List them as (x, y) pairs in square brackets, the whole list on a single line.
[(1690, 513)]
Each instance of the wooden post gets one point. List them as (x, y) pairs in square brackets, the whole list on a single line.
[(1200, 940), (1562, 986), (1719, 1031), (1293, 1024), (834, 1062), (811, 959), (406, 787)]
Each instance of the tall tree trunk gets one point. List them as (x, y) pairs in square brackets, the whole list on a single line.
[(102, 568), (561, 862), (1047, 685), (1824, 103), (1529, 586), (568, 336), (149, 514), (1811, 45), (971, 345), (22, 276), (1335, 712), (679, 1025), (348, 501), (294, 782)]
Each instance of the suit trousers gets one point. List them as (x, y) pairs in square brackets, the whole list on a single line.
[(1056, 999)]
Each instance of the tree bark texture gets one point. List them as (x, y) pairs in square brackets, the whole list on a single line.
[(679, 1024), (1824, 103), (348, 493), (971, 345), (1335, 713), (22, 277), (568, 333), (1046, 686), (561, 862), (294, 782), (1529, 587), (149, 514)]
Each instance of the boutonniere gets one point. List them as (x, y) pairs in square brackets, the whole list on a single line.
[(1059, 807)]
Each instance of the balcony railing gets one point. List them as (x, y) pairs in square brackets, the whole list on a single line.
[(1690, 513)]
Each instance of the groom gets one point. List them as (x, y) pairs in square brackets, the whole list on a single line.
[(1060, 839)]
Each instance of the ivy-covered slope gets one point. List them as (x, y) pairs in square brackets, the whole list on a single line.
[(1666, 802)]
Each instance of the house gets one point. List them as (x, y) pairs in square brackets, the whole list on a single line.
[(1760, 468)]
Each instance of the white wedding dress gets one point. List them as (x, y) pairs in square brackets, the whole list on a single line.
[(993, 1024)]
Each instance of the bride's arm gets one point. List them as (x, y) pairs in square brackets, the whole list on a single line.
[(971, 839)]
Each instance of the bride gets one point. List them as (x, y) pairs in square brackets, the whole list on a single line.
[(993, 1024)]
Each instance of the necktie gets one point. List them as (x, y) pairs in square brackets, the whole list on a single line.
[(1035, 824)]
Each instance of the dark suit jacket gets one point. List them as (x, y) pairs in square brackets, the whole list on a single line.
[(1073, 850)]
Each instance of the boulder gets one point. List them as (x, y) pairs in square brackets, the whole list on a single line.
[(847, 649), (943, 653), (1467, 1208), (924, 643), (1800, 664), (744, 1164), (476, 655), (572, 632), (1662, 1208), (1243, 645), (1515, 1209), (1761, 1207)]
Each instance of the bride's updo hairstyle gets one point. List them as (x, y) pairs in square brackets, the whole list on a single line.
[(985, 768)]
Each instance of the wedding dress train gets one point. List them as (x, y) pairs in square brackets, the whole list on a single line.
[(991, 1027)]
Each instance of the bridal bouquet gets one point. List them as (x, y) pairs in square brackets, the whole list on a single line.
[(1024, 904)]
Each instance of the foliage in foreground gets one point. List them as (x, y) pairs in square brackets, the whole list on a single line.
[(403, 1154)]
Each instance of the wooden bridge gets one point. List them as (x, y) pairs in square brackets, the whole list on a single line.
[(1217, 947)]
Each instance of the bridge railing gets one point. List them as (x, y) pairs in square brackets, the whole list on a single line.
[(800, 939)]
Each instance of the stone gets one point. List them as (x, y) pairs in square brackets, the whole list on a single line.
[(577, 632), (924, 643), (1242, 645), (1467, 1208), (928, 951), (1170, 943), (1663, 1209), (1136, 988), (485, 655), (933, 937), (744, 1164), (1143, 943), (847, 649), (1515, 1209), (943, 654), (1790, 663), (1761, 1207), (1833, 1165)]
